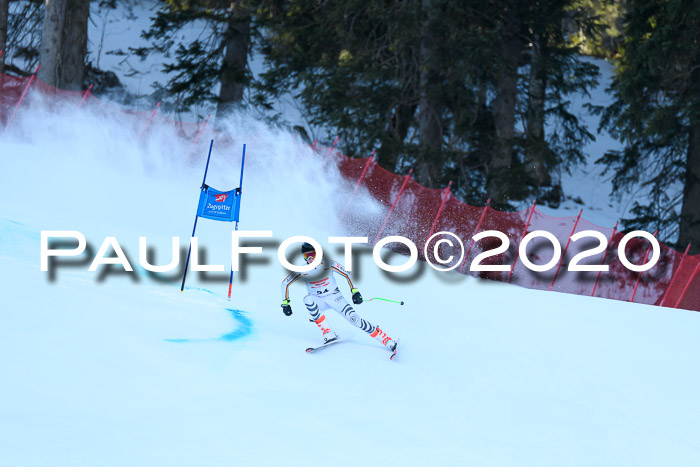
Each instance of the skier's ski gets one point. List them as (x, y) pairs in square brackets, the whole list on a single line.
[(337, 340), (334, 341), (393, 354)]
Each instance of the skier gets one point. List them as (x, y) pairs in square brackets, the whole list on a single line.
[(324, 294)]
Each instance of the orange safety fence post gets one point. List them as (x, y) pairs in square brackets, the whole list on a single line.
[(335, 141), (85, 94), (153, 114), (639, 277), (403, 186), (604, 257), (675, 273), (476, 231), (21, 98), (445, 195), (561, 260), (527, 224), (357, 185)]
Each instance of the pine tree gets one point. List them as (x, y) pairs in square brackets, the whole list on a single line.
[(554, 137), (656, 114), (216, 58), (435, 85), (353, 65), (64, 43), (501, 179), (4, 16), (395, 76), (24, 31), (606, 37)]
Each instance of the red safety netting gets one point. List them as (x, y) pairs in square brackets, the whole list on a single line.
[(684, 290), (12, 88), (512, 225), (673, 281), (416, 212), (462, 220), (53, 97)]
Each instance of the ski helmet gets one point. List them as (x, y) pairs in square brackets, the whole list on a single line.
[(307, 247)]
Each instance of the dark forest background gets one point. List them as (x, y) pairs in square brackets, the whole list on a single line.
[(477, 92)]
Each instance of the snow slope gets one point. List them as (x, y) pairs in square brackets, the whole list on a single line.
[(108, 368)]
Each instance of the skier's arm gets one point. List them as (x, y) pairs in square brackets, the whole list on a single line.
[(356, 296), (337, 267), (286, 307)]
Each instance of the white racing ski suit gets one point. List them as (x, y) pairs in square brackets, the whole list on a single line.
[(324, 294)]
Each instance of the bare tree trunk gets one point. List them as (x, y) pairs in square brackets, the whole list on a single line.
[(399, 123), (52, 41), (429, 170), (537, 148), (64, 43), (504, 110), (233, 71), (690, 213), (76, 45), (401, 114), (4, 13)]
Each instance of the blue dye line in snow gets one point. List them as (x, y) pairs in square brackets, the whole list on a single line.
[(245, 328), (205, 290), (17, 239), (200, 289), (10, 228)]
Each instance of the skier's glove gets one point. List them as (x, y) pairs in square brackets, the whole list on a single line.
[(286, 308), (356, 297)]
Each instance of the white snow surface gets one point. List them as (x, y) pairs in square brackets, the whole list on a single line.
[(111, 369)]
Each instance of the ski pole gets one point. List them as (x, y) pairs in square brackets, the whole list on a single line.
[(385, 299)]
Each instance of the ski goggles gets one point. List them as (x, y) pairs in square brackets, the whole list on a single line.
[(309, 255)]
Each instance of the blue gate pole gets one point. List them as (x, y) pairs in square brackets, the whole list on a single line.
[(206, 169)]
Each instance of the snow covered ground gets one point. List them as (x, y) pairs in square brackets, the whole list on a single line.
[(112, 368), (108, 368)]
